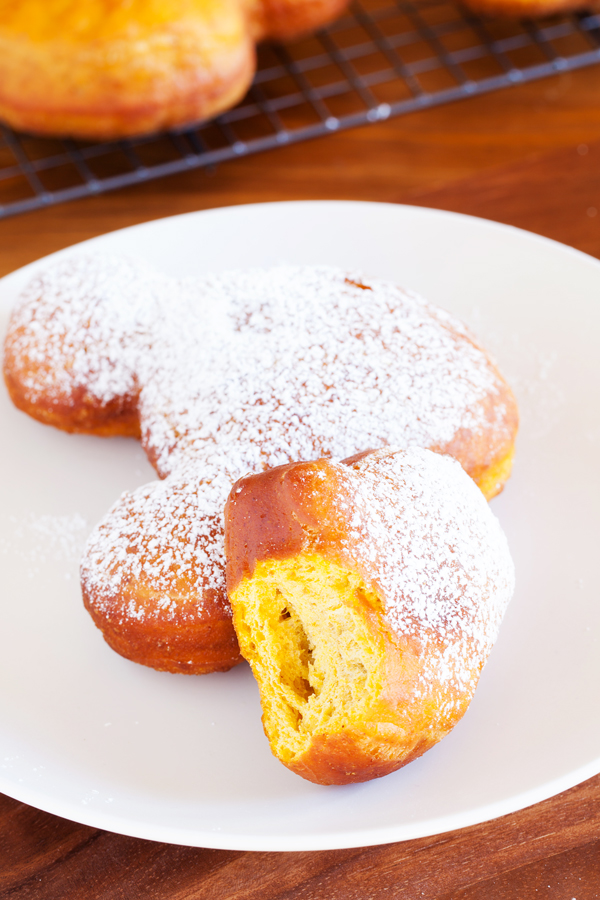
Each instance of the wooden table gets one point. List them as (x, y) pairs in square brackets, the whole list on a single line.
[(529, 156)]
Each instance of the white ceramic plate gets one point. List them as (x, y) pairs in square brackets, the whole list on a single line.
[(89, 736)]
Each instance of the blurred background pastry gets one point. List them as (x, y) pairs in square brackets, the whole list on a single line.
[(104, 69)]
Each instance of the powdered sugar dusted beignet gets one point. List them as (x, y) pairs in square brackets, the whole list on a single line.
[(152, 579), (299, 363), (366, 598), (71, 355), (239, 372)]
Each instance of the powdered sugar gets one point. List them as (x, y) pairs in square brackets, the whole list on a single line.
[(166, 538), (236, 373), (423, 534), (309, 364), (82, 325), (37, 539)]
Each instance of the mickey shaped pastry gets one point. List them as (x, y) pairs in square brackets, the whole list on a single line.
[(113, 68), (228, 375)]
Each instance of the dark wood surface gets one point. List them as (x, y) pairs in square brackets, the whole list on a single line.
[(530, 157)]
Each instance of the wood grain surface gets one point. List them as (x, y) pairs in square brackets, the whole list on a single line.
[(528, 156)]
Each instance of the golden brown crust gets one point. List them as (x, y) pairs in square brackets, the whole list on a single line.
[(268, 516), (167, 644), (112, 68), (77, 413)]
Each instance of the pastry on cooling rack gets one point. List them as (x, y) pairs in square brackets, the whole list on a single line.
[(366, 597), (103, 69), (226, 375)]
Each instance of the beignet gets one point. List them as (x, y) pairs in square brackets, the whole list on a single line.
[(231, 374), (366, 597)]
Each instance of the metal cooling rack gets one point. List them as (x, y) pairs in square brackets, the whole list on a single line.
[(383, 58)]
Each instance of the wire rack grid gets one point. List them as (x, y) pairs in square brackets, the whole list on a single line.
[(383, 58)]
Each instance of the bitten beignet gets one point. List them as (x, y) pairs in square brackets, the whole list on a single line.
[(366, 598), (230, 374)]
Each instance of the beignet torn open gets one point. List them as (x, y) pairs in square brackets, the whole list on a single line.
[(313, 650)]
